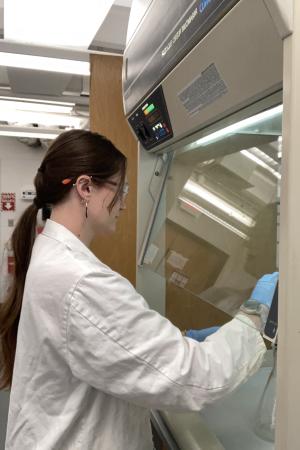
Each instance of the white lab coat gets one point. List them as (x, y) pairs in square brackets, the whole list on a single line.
[(92, 358)]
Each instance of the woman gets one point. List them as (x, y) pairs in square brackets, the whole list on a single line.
[(88, 357)]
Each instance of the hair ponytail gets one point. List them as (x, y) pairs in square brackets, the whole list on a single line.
[(22, 242)]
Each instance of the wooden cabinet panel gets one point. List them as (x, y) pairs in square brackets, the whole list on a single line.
[(107, 118)]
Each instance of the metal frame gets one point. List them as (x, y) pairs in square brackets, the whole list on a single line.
[(163, 431), (147, 235), (288, 363)]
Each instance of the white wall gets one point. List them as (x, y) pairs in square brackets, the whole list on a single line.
[(18, 166)]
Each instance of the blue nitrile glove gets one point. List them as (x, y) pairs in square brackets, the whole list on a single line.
[(261, 298), (201, 335), (265, 288)]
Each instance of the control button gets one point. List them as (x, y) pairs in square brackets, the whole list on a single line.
[(146, 131), (140, 134)]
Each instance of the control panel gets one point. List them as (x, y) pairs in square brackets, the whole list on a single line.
[(151, 122)]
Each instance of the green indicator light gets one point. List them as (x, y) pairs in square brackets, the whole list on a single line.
[(150, 108)]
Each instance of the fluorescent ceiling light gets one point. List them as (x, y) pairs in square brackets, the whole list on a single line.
[(196, 189), (53, 23), (261, 163), (26, 117), (44, 63), (212, 216), (12, 105), (239, 126), (36, 100), (29, 133)]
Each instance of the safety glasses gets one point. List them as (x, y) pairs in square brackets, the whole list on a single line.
[(125, 188)]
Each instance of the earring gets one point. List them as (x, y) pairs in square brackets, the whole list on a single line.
[(86, 209)]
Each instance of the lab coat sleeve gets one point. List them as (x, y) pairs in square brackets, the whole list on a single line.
[(118, 345)]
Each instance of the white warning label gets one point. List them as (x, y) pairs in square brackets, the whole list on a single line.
[(203, 90)]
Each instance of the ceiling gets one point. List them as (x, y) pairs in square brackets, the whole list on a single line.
[(110, 38)]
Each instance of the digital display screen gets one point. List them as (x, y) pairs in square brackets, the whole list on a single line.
[(153, 117), (151, 121)]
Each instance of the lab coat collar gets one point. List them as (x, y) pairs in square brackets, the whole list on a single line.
[(60, 233)]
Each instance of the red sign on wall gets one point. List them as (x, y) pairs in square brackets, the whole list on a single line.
[(8, 201)]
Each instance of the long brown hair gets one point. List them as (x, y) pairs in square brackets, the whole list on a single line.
[(72, 154)]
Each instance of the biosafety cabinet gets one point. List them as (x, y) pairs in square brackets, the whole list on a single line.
[(211, 91)]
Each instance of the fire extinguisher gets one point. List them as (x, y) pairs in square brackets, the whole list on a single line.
[(10, 262), (7, 270)]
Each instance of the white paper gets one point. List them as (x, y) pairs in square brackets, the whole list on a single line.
[(151, 253), (176, 260)]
